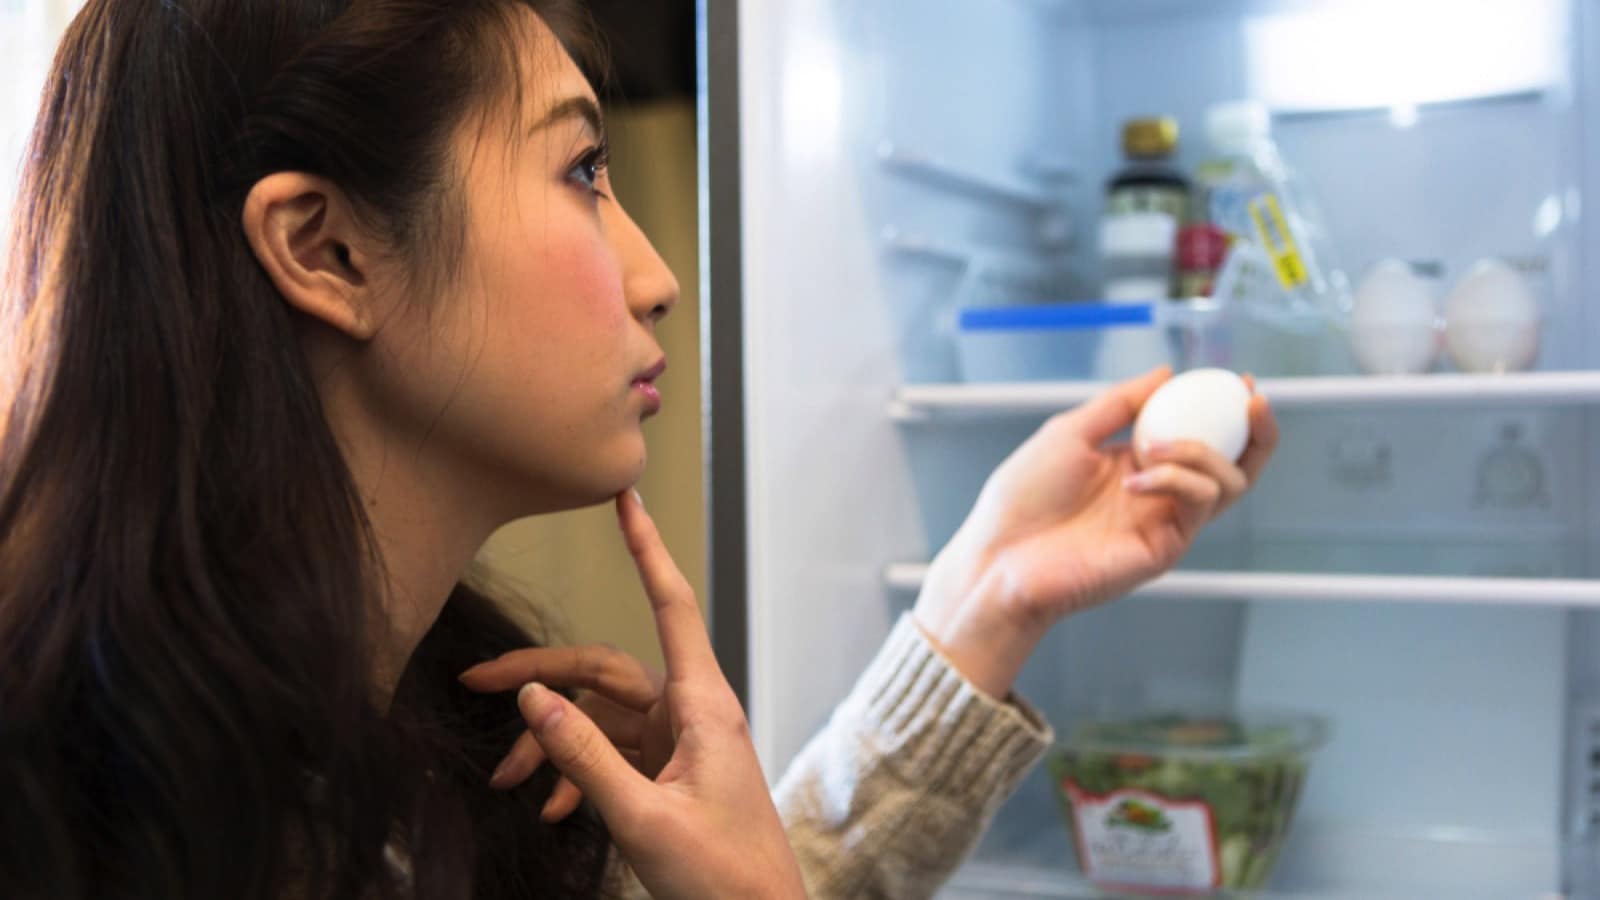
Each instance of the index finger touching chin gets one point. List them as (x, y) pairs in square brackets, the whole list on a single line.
[(685, 643)]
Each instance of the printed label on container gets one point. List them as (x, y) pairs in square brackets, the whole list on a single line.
[(1273, 231), (1136, 839)]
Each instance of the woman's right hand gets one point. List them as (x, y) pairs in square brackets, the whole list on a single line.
[(706, 826)]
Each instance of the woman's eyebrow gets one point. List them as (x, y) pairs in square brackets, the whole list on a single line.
[(576, 106)]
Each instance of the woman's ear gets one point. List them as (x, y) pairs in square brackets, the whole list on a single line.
[(305, 234)]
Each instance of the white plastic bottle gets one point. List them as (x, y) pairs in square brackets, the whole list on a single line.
[(1136, 249)]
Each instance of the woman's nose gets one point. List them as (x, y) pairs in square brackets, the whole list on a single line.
[(649, 286)]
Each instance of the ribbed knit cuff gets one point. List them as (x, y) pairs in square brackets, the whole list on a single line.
[(934, 728)]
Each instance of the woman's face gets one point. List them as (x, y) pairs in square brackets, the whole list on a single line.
[(533, 372)]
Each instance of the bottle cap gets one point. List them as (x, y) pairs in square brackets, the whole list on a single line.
[(1234, 126), (1153, 137)]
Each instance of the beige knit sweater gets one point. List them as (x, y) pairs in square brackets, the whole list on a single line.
[(893, 793)]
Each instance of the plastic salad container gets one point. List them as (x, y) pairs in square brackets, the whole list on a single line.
[(1183, 804), (1084, 341)]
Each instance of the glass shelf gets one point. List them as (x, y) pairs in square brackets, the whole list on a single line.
[(1539, 555), (930, 402), (994, 882), (1286, 587), (1480, 571), (989, 881), (1357, 864)]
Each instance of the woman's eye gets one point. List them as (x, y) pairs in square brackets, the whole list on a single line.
[(587, 171)]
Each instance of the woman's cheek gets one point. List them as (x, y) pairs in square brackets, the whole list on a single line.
[(597, 278), (582, 273)]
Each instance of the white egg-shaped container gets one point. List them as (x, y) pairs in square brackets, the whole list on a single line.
[(1394, 325), (1492, 320)]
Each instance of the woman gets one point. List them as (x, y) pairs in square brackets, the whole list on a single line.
[(307, 297)]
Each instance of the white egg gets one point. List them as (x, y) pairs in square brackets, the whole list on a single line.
[(1492, 320), (1211, 406), (1393, 323)]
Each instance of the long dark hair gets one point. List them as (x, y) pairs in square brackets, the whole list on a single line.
[(186, 572)]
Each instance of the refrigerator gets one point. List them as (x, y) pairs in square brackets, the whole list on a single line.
[(1417, 565)]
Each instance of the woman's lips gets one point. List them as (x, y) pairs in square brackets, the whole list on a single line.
[(652, 373), (645, 384), (651, 394)]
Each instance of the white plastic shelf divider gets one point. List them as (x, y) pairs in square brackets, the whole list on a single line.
[(1313, 588), (916, 403), (935, 170)]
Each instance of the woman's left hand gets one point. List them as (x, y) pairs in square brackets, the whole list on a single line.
[(1068, 522), (620, 693)]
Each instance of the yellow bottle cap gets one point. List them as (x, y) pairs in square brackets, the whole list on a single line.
[(1152, 137)]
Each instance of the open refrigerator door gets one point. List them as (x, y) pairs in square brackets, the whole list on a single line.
[(1416, 570)]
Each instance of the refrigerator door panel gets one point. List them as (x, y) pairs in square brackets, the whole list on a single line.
[(824, 88), (828, 501)]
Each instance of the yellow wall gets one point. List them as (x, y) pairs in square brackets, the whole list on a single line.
[(572, 567)]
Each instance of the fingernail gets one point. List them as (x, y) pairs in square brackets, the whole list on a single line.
[(1157, 448), (1136, 483), (539, 706), (498, 777), (638, 499)]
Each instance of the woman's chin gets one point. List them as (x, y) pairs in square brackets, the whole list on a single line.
[(574, 480), (627, 474), (599, 487)]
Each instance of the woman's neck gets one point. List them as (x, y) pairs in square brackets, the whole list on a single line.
[(423, 550), (426, 527)]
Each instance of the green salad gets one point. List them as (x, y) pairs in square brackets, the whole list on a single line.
[(1241, 777)]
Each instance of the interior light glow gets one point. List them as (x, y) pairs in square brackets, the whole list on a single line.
[(1393, 54)]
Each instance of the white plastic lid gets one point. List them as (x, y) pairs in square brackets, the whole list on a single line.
[(1138, 234), (1201, 736), (1234, 126)]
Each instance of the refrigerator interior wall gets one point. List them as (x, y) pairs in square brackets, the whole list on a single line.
[(1426, 703), (884, 184)]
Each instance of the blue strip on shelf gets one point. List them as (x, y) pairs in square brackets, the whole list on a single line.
[(1059, 317)]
